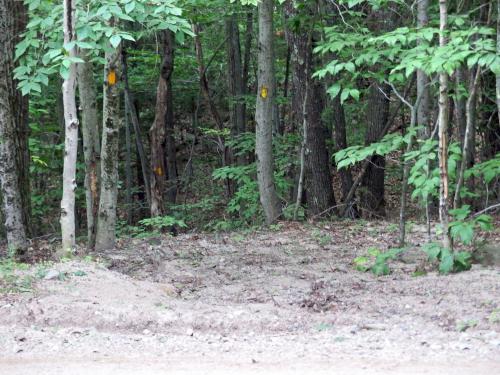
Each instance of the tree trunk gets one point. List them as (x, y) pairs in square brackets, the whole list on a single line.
[(128, 165), (235, 80), (134, 118), (12, 122), (264, 113), (91, 144), (377, 114), (340, 139), (105, 238), (443, 134), (163, 123), (307, 107), (498, 53), (423, 89), (468, 138), (71, 138)]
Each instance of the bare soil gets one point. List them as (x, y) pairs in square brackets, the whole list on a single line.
[(282, 302)]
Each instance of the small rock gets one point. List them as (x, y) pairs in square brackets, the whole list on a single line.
[(52, 275), (190, 332), (146, 332)]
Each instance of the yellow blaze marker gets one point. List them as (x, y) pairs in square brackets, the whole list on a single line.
[(159, 171), (111, 77), (264, 92)]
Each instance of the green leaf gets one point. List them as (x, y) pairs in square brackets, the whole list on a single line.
[(115, 40)]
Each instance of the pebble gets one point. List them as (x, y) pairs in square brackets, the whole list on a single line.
[(190, 332), (52, 275)]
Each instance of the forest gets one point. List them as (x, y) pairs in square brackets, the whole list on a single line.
[(354, 137)]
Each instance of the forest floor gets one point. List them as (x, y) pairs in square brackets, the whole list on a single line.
[(283, 302)]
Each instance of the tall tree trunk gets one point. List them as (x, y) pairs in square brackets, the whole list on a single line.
[(71, 138), (235, 80), (377, 114), (163, 123), (307, 107), (498, 53), (205, 89), (105, 238), (134, 118), (423, 89), (443, 133), (340, 139), (264, 113), (128, 164), (91, 144), (11, 176)]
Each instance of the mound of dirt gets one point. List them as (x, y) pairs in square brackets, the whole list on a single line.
[(249, 299)]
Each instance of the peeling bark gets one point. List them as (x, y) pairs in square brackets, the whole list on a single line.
[(71, 139)]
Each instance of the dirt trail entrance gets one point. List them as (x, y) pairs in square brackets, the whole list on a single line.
[(265, 302)]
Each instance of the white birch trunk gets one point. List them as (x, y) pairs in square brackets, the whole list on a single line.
[(443, 134), (70, 140)]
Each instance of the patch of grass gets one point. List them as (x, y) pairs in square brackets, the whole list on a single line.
[(11, 281), (465, 325)]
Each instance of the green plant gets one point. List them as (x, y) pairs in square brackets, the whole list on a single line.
[(376, 261), (11, 281), (448, 261), (464, 226)]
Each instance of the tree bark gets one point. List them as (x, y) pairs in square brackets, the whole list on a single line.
[(443, 134), (12, 134), (163, 158), (91, 144), (235, 80), (498, 53), (468, 140), (377, 114), (307, 107), (264, 113), (105, 238), (134, 118), (71, 138)]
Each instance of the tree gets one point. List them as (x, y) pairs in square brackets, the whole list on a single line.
[(163, 156), (111, 123), (307, 107), (91, 143), (264, 113), (443, 132), (71, 136), (11, 129)]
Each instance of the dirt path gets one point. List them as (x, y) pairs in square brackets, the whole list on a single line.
[(263, 302), (180, 366)]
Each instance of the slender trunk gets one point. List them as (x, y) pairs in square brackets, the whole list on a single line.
[(91, 144), (264, 113), (235, 81), (128, 165), (460, 102), (443, 133), (158, 133), (105, 238), (134, 118), (498, 53), (248, 52), (71, 138), (470, 114), (11, 176), (340, 138), (205, 89)]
